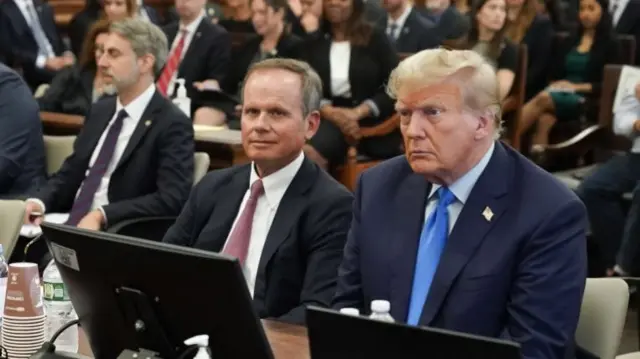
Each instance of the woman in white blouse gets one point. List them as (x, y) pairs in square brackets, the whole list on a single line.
[(354, 61)]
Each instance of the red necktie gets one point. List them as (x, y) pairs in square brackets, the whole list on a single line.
[(172, 65), (238, 243)]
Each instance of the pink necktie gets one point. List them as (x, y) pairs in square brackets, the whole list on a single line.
[(238, 244)]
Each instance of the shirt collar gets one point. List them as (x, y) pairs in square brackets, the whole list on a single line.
[(193, 26), (462, 187), (402, 19), (135, 109), (276, 184)]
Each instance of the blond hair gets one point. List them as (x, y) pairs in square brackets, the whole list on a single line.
[(473, 73), (311, 83)]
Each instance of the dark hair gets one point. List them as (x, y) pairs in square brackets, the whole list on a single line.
[(359, 30), (604, 30), (87, 58), (276, 5), (496, 44)]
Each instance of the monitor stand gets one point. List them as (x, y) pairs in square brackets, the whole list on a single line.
[(138, 312)]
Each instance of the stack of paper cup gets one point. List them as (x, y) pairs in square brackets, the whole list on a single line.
[(24, 316)]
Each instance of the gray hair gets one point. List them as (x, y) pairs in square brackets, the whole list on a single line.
[(480, 88), (311, 83), (145, 38)]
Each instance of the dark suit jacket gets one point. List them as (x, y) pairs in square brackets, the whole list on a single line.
[(20, 44), (22, 161), (369, 69), (539, 40), (207, 57), (70, 92), (300, 258), (629, 24), (213, 12), (242, 58), (154, 175), (519, 276), (418, 33)]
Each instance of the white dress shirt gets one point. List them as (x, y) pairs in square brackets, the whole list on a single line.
[(275, 186), (24, 5), (625, 117), (190, 32), (134, 110), (339, 62), (461, 190), (399, 23), (620, 6)]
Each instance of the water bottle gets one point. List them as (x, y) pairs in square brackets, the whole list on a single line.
[(59, 310), (350, 311), (380, 311)]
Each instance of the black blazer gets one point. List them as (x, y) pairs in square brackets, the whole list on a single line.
[(369, 69), (207, 57), (70, 92), (154, 175), (629, 24), (287, 46), (539, 40), (299, 262), (22, 159), (19, 44), (418, 33), (607, 52)]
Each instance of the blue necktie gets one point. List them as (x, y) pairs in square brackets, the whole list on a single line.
[(432, 240)]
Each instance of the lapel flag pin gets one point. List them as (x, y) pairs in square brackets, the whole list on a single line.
[(487, 214)]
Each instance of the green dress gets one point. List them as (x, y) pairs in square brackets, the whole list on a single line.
[(568, 104)]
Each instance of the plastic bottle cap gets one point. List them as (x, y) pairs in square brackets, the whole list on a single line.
[(350, 311), (380, 306)]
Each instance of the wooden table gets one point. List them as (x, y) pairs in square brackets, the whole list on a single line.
[(287, 341), (224, 147)]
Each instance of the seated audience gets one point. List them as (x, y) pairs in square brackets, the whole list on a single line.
[(577, 74), (75, 88), (462, 232), (272, 40), (134, 156), (354, 61), (30, 40), (112, 10), (407, 29), (617, 235), (282, 216), (237, 16), (308, 24), (213, 13), (486, 37), (22, 161), (525, 26), (200, 52)]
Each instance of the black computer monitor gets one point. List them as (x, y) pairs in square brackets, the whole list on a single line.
[(333, 335), (134, 294)]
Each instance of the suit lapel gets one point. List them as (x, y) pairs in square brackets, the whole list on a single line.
[(225, 211), (19, 23), (405, 32), (470, 229), (291, 205), (408, 217), (146, 122), (628, 18), (190, 55)]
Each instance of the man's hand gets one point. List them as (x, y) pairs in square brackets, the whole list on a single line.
[(207, 85), (55, 63), (309, 22), (68, 58), (33, 214), (92, 221)]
